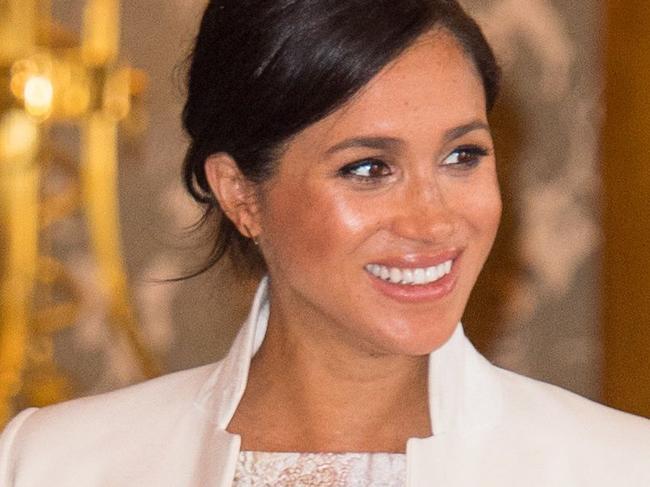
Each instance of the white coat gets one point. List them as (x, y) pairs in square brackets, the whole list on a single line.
[(491, 428)]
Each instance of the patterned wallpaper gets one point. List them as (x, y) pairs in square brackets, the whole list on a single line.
[(535, 309), (548, 125)]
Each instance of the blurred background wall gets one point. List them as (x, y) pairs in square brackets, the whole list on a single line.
[(563, 297)]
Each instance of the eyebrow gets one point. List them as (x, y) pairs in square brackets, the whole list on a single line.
[(461, 130), (385, 143), (366, 142)]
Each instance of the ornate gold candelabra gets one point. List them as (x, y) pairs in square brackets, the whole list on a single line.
[(47, 77)]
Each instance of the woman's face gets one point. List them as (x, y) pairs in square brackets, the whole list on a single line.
[(381, 215)]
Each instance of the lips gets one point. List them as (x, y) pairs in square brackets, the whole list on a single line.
[(413, 279)]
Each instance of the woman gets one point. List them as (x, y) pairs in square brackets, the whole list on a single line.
[(342, 145)]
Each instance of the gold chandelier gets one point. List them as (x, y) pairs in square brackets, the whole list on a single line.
[(47, 78)]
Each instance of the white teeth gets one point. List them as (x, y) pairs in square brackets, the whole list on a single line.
[(414, 277), (432, 273), (395, 275), (407, 276), (384, 272), (420, 276)]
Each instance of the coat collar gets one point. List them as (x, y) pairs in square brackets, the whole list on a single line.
[(220, 395), (464, 391)]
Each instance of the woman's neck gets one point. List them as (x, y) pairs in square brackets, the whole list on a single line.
[(314, 392)]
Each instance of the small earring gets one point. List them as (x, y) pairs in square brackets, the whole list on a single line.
[(250, 235)]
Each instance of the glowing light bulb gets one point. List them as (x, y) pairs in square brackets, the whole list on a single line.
[(38, 95)]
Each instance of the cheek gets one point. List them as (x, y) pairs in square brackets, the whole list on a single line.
[(478, 205), (483, 211), (489, 206), (313, 224)]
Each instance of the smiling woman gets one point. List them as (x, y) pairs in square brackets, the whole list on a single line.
[(345, 147), (405, 175)]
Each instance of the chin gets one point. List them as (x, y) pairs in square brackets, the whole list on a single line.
[(416, 343)]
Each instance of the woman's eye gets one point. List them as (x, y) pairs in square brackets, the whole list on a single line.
[(367, 169), (466, 157)]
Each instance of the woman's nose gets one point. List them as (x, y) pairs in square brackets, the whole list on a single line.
[(422, 213)]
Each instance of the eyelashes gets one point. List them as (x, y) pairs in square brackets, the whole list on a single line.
[(366, 169), (466, 156), (373, 170)]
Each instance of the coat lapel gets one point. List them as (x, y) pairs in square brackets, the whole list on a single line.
[(216, 462), (213, 461), (198, 455), (465, 402)]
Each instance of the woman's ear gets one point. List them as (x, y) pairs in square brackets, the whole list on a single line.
[(235, 193)]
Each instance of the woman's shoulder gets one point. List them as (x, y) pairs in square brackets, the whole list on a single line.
[(561, 415), (137, 411), (140, 435), (161, 395)]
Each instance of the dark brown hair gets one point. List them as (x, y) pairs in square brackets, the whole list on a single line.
[(263, 70)]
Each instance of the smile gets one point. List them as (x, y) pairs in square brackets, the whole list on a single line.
[(414, 277)]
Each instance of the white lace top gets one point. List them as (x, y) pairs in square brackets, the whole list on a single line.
[(320, 469)]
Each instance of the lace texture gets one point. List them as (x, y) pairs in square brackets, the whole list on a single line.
[(320, 469)]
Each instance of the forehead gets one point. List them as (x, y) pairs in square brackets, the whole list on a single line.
[(432, 85)]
